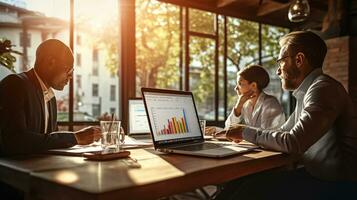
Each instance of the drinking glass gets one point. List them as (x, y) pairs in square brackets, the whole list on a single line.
[(113, 136)]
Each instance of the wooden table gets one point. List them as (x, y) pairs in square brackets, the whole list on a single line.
[(153, 175)]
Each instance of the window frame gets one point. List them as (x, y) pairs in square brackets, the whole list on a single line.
[(124, 95)]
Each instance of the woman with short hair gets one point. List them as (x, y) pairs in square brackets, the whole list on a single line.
[(254, 107)]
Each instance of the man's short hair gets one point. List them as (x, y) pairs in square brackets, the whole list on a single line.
[(257, 74), (308, 43)]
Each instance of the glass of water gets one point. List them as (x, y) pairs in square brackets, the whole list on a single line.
[(113, 136)]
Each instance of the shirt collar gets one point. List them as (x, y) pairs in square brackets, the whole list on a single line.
[(304, 86), (47, 91), (261, 96)]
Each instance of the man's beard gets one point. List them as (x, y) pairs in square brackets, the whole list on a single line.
[(288, 78)]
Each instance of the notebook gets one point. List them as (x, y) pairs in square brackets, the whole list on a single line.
[(175, 127)]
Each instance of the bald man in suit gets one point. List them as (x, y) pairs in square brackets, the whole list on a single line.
[(28, 112)]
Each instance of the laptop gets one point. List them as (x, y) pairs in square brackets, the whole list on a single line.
[(138, 126), (175, 127)]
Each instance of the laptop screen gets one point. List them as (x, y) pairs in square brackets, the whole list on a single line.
[(173, 117), (138, 121)]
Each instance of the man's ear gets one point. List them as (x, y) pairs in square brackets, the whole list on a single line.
[(51, 63), (299, 59)]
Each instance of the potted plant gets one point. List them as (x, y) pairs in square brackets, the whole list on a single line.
[(6, 58)]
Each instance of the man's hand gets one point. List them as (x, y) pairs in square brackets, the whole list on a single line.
[(221, 135), (88, 135), (233, 133)]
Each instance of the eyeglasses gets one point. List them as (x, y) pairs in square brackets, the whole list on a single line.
[(280, 61), (70, 71)]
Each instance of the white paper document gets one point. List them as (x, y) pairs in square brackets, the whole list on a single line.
[(78, 150)]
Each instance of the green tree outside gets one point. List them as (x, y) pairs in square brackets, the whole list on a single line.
[(158, 50)]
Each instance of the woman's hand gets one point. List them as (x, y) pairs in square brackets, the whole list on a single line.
[(242, 98), (210, 130)]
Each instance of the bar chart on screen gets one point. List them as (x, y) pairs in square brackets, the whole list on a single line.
[(169, 121)]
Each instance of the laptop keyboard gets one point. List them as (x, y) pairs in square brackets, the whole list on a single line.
[(199, 147)]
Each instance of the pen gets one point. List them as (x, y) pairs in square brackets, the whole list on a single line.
[(111, 123)]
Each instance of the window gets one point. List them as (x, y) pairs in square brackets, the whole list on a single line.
[(202, 21), (157, 45), (25, 40), (202, 65), (97, 43), (95, 62), (112, 92), (243, 50), (223, 111), (95, 89), (95, 69), (78, 59), (79, 81), (157, 26), (95, 55), (202, 61), (112, 110), (270, 52), (161, 61), (78, 40), (96, 110)]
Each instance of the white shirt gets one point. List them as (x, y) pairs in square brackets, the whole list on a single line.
[(266, 114), (48, 94)]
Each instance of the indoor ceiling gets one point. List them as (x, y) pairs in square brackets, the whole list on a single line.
[(274, 12)]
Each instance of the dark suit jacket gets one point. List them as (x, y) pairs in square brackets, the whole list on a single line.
[(22, 117)]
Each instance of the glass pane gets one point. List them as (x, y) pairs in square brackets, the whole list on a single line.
[(50, 20), (202, 21), (157, 45), (270, 52), (79, 127), (96, 82), (63, 128), (221, 116), (202, 52), (242, 50)]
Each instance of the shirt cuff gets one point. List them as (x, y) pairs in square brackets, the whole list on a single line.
[(72, 141), (68, 138), (249, 134)]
